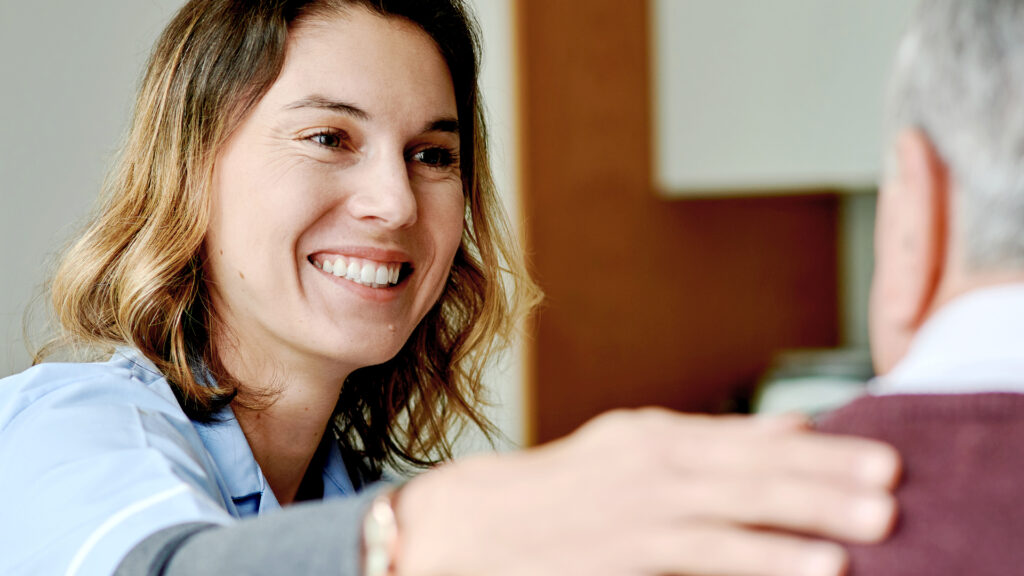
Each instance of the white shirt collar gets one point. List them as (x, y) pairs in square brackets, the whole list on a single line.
[(973, 344)]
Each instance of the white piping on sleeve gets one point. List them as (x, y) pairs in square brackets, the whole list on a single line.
[(119, 517)]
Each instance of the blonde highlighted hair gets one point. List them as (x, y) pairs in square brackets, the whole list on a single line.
[(135, 277)]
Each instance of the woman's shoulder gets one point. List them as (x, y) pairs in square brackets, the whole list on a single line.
[(96, 457), (126, 378)]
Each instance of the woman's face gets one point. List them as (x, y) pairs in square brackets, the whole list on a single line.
[(337, 203)]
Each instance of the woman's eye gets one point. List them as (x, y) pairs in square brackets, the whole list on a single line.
[(327, 139), (436, 157)]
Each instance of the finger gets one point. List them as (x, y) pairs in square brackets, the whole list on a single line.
[(786, 422), (788, 503), (741, 444), (722, 550), (738, 449), (858, 461)]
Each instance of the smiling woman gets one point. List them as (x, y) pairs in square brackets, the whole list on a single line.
[(302, 244), (312, 132), (295, 279), (333, 164)]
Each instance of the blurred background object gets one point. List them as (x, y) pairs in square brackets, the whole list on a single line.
[(812, 381), (657, 293), (683, 303)]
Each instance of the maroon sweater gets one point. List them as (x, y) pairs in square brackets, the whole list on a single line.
[(962, 493)]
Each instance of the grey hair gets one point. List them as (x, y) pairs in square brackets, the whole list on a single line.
[(959, 77)]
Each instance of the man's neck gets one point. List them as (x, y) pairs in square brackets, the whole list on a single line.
[(960, 281), (973, 343)]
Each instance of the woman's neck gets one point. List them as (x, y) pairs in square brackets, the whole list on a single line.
[(284, 439), (285, 429)]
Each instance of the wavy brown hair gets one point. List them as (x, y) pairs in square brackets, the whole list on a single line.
[(135, 277)]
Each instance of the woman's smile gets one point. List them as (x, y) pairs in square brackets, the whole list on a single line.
[(377, 275), (360, 271)]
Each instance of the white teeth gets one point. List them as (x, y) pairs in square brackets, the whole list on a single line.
[(363, 272), (368, 274)]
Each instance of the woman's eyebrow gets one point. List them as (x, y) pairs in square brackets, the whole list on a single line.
[(329, 104), (443, 125)]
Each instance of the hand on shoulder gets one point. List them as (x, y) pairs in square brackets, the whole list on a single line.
[(649, 492)]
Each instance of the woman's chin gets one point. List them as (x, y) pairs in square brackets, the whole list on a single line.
[(371, 350)]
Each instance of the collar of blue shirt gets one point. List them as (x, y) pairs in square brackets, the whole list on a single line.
[(241, 477)]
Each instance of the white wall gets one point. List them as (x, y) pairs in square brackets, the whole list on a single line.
[(755, 95), (499, 87), (68, 71), (856, 265)]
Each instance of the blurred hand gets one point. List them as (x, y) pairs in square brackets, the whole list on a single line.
[(652, 492)]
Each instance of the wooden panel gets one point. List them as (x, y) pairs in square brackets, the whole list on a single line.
[(674, 303)]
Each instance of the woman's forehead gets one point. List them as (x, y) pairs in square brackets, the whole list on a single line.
[(383, 65)]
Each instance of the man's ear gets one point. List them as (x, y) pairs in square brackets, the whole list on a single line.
[(912, 230)]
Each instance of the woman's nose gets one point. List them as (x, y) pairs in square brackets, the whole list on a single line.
[(385, 194)]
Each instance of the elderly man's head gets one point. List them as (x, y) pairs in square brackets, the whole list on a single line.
[(951, 211)]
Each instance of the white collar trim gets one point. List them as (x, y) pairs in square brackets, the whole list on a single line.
[(973, 344)]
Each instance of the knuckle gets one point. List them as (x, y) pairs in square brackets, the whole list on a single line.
[(611, 418), (619, 420), (639, 437), (651, 421), (609, 415)]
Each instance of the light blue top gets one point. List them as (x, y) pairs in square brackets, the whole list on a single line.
[(95, 457)]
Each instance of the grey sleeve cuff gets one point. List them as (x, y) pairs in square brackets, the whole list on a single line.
[(150, 556), (316, 538)]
